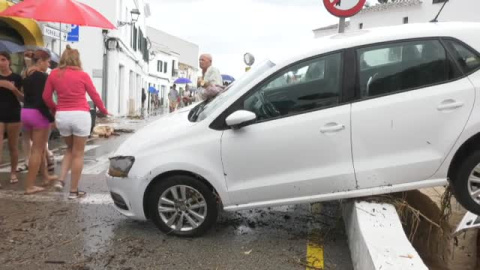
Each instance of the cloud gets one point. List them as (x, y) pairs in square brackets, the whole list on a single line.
[(229, 28)]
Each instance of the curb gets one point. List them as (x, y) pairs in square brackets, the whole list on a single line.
[(376, 237)]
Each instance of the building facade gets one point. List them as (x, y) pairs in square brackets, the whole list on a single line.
[(416, 11), (188, 53), (117, 60), (163, 70), (408, 11)]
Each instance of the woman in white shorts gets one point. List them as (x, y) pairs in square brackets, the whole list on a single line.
[(72, 113)]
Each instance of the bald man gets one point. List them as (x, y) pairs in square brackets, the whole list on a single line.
[(211, 75)]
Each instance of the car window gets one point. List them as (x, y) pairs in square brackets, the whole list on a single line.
[(309, 85), (468, 60), (204, 109), (403, 66)]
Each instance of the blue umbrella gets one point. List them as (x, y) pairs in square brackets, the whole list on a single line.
[(11, 47), (226, 77), (182, 80), (152, 89)]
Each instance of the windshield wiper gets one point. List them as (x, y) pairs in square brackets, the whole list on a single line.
[(195, 112)]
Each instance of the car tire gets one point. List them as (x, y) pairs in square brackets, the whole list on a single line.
[(462, 186), (197, 206)]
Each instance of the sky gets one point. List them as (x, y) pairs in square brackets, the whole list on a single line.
[(227, 29)]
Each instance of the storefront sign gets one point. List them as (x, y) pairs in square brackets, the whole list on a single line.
[(54, 33)]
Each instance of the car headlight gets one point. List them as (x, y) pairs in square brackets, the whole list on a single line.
[(120, 166)]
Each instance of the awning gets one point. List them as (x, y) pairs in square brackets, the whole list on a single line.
[(28, 29)]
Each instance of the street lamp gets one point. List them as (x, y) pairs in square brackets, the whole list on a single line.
[(111, 43), (135, 14)]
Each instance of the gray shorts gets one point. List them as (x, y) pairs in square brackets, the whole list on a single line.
[(77, 123)]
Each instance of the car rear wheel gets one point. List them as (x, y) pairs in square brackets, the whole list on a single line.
[(466, 184), (183, 206)]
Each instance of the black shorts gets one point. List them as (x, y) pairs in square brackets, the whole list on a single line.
[(10, 115)]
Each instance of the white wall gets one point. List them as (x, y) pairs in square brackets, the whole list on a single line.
[(455, 10), (165, 58), (164, 79), (328, 32)]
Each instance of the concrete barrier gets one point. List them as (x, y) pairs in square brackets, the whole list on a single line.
[(377, 239)]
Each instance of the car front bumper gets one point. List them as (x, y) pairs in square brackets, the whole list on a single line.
[(127, 196)]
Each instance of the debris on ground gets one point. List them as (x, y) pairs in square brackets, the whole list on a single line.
[(103, 131), (135, 117), (124, 130)]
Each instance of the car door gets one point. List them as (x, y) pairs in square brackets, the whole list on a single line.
[(300, 144), (413, 105)]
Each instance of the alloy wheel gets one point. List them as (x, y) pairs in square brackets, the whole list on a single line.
[(182, 208)]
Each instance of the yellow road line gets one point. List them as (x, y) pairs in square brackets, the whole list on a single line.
[(315, 258)]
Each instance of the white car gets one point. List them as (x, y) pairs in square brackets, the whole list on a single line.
[(369, 112)]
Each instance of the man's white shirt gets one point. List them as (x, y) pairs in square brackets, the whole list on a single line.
[(213, 76)]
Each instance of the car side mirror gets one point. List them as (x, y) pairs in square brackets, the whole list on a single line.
[(240, 119)]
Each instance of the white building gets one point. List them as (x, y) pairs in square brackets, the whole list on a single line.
[(188, 53), (163, 69), (408, 11), (117, 60)]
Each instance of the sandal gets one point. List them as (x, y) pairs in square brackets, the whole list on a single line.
[(23, 168), (35, 190), (77, 194), (50, 179), (59, 185), (13, 180)]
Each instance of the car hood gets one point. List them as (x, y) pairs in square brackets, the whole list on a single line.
[(166, 129)]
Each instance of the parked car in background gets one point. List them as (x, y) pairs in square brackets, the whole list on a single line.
[(370, 112)]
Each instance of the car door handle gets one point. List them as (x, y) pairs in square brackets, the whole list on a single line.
[(332, 127), (449, 104)]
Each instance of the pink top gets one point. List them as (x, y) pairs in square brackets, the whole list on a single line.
[(71, 86)]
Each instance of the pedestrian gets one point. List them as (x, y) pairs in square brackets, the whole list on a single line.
[(10, 97), (72, 114), (173, 98), (211, 81), (26, 136), (36, 120), (210, 74), (186, 96), (144, 97)]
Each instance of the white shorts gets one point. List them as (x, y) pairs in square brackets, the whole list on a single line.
[(77, 123)]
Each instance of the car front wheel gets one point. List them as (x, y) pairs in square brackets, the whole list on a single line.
[(183, 206), (466, 183)]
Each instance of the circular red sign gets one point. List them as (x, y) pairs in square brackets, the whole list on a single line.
[(331, 6)]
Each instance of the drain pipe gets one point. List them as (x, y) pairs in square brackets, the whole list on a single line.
[(105, 68)]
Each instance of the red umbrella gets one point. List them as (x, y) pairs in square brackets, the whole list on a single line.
[(61, 11)]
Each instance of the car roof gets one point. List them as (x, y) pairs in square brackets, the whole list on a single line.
[(381, 34)]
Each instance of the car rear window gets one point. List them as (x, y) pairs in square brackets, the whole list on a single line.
[(468, 59), (404, 65)]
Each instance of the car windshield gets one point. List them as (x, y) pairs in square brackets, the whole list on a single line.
[(203, 110)]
